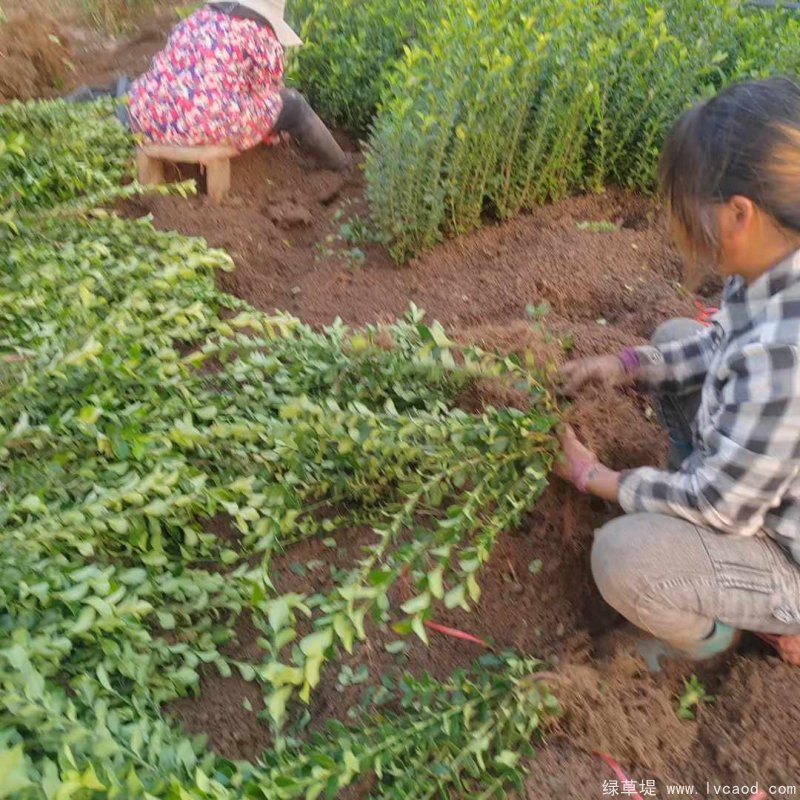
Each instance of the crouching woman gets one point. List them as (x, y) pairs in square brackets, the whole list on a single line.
[(712, 546)]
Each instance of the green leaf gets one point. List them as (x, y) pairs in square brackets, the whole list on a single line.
[(435, 582), (456, 597), (166, 620), (351, 763), (277, 613), (282, 638), (88, 415), (186, 676), (315, 644), (102, 676), (158, 508), (13, 771), (311, 670), (282, 674), (276, 705), (419, 628), (90, 781), (417, 604), (473, 588), (345, 631), (133, 576), (85, 621), (32, 503), (507, 758)]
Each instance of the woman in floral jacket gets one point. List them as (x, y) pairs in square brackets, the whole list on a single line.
[(219, 81)]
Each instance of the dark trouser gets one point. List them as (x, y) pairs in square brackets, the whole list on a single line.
[(677, 412), (119, 89), (301, 122)]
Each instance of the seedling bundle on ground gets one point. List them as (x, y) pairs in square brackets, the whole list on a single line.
[(225, 520)]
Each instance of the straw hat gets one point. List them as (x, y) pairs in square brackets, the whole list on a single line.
[(273, 11)]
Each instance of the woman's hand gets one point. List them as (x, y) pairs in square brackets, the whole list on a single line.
[(599, 369), (581, 467), (577, 460)]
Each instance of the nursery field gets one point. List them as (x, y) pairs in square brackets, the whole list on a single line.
[(277, 515)]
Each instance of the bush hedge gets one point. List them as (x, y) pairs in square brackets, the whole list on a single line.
[(347, 50), (503, 105)]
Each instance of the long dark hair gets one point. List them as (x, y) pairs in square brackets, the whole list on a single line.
[(745, 141)]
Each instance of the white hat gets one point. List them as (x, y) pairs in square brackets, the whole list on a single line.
[(272, 11)]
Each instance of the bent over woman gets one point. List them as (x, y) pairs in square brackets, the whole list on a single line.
[(219, 81)]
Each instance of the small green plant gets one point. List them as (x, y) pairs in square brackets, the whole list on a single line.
[(354, 257), (350, 677), (597, 226), (538, 311), (54, 152), (464, 737), (349, 47), (357, 230), (694, 693)]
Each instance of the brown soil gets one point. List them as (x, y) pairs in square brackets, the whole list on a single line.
[(34, 56), (285, 226), (100, 59), (48, 48)]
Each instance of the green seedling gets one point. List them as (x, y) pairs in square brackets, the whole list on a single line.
[(597, 226), (693, 695)]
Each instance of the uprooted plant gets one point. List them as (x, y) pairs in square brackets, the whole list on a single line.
[(136, 401)]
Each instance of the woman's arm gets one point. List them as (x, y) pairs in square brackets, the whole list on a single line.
[(746, 463), (673, 367)]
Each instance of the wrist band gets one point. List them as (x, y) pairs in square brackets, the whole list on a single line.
[(629, 359), (581, 472)]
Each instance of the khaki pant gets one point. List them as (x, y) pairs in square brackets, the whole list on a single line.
[(674, 579)]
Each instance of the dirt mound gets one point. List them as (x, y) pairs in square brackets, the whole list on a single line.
[(619, 708), (631, 439), (34, 53), (100, 60), (301, 243), (752, 733)]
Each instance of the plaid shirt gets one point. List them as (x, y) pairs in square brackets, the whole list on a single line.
[(744, 474)]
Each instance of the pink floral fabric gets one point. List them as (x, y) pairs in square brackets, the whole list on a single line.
[(216, 82)]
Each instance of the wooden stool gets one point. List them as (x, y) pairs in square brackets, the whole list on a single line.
[(215, 160)]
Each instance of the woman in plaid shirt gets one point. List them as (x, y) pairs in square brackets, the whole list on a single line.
[(712, 546)]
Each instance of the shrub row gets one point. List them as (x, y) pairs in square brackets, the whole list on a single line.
[(348, 48), (503, 105)]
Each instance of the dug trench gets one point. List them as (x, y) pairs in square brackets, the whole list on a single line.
[(300, 244)]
